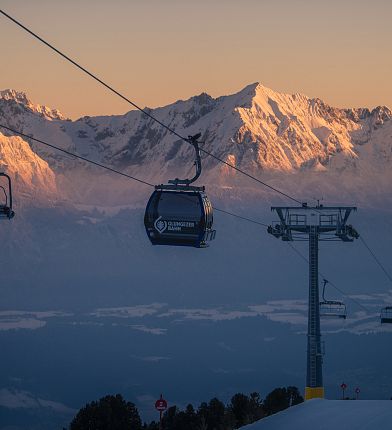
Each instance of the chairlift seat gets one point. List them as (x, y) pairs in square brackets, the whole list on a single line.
[(386, 315), (333, 309)]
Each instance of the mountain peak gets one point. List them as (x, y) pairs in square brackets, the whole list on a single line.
[(20, 97), (260, 88), (17, 96), (381, 114), (202, 98)]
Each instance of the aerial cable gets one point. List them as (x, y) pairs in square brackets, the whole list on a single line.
[(118, 172), (240, 217), (113, 90), (91, 74), (251, 177), (72, 154), (299, 253), (376, 259), (347, 296)]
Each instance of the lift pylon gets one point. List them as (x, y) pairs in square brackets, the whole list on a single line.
[(314, 224)]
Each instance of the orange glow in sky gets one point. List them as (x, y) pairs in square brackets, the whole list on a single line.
[(159, 51)]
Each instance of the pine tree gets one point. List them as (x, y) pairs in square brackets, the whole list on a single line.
[(216, 414), (281, 398), (240, 406)]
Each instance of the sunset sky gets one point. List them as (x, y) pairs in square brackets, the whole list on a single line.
[(159, 51)]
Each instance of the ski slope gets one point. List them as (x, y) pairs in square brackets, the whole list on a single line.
[(321, 414)]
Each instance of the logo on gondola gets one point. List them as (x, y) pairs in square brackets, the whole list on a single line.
[(160, 225)]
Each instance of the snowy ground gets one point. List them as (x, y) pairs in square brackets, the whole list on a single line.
[(320, 414)]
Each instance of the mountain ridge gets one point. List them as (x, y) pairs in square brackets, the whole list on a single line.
[(256, 129)]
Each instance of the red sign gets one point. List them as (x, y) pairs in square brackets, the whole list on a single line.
[(161, 404), (343, 386)]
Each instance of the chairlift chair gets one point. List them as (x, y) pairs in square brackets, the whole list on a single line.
[(332, 308), (6, 203), (178, 213), (386, 315)]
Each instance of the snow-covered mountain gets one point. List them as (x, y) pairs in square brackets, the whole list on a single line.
[(257, 129), (32, 174)]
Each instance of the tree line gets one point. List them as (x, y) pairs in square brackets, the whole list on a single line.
[(115, 413)]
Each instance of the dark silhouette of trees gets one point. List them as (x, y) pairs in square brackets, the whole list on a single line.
[(239, 406), (256, 407), (108, 413), (295, 396), (246, 410), (216, 414), (281, 398), (112, 412), (190, 417)]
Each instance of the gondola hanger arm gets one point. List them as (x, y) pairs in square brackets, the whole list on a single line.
[(193, 140)]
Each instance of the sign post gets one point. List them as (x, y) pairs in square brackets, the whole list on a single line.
[(343, 386), (357, 391), (161, 406)]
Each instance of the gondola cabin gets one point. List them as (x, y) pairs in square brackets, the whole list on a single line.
[(179, 216), (178, 213), (6, 211), (386, 315)]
